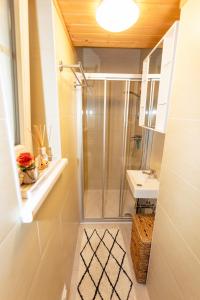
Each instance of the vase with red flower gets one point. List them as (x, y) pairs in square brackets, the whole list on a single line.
[(26, 164)]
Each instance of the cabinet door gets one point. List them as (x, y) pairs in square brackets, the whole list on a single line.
[(161, 118), (145, 69), (144, 82), (169, 47), (165, 83), (148, 104), (167, 64), (144, 91), (154, 103), (151, 103)]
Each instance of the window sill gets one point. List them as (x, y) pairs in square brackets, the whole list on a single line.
[(35, 194)]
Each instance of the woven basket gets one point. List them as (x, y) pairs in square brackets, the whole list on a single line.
[(142, 229)]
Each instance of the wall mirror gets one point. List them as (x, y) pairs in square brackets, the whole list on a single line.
[(155, 59)]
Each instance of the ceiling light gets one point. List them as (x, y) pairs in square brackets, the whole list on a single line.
[(117, 15)]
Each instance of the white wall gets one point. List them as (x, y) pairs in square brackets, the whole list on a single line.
[(174, 268), (36, 259), (108, 60)]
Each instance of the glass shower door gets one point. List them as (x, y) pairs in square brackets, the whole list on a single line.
[(93, 115), (114, 146), (134, 146), (111, 144)]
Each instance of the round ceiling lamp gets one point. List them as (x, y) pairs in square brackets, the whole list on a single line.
[(117, 15)]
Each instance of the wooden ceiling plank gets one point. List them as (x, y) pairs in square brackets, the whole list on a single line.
[(91, 2), (117, 45), (89, 28), (156, 17), (144, 21), (86, 9)]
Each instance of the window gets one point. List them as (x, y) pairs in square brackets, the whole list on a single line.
[(14, 68), (8, 66)]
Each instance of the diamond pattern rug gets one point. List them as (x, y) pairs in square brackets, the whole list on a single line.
[(104, 269)]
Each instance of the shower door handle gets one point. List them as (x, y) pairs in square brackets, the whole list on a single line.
[(125, 130), (104, 150)]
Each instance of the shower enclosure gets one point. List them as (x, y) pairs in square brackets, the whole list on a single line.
[(112, 143)]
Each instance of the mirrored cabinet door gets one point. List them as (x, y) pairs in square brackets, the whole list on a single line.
[(154, 103), (157, 81), (155, 59), (148, 103)]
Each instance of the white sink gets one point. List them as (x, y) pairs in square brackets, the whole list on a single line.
[(142, 185)]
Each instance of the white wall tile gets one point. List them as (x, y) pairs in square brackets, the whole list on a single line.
[(176, 230), (182, 262), (19, 256)]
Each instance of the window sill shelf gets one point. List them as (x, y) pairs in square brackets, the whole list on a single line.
[(35, 194)]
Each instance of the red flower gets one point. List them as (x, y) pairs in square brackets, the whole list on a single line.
[(25, 160)]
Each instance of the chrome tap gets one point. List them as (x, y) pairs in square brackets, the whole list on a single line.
[(150, 172)]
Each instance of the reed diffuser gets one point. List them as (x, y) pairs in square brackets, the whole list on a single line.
[(39, 136), (49, 150)]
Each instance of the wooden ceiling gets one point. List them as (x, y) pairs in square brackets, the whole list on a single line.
[(156, 16)]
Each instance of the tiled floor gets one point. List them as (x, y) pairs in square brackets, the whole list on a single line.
[(93, 204), (140, 290)]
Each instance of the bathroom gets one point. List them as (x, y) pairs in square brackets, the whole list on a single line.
[(111, 152)]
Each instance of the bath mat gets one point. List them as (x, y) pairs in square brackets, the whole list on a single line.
[(104, 272)]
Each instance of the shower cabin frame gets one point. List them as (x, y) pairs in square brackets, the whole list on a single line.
[(128, 78)]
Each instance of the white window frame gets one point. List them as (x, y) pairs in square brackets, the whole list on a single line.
[(38, 192), (50, 71), (45, 15), (21, 17)]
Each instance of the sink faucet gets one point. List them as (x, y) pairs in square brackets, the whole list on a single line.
[(149, 172)]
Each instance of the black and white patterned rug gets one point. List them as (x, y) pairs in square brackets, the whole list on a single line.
[(104, 272)]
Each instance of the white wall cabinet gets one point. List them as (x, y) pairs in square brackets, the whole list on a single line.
[(144, 90), (157, 78)]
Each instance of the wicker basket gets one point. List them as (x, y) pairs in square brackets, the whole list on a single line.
[(142, 229)]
